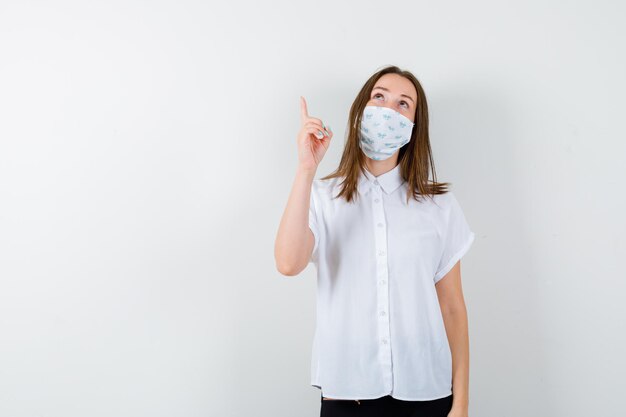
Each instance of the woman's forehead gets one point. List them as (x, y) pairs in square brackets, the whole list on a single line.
[(397, 84)]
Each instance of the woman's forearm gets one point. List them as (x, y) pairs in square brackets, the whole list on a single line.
[(458, 338), (294, 242)]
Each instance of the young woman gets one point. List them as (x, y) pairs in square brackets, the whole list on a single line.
[(391, 335)]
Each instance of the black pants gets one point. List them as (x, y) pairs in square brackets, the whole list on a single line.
[(386, 406)]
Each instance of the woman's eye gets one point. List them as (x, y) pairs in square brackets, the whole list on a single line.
[(377, 95), (407, 104)]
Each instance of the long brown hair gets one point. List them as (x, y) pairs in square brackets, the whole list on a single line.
[(415, 158)]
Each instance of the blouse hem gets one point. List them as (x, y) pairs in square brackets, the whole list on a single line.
[(376, 396)]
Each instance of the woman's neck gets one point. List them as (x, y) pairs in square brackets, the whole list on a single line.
[(377, 168)]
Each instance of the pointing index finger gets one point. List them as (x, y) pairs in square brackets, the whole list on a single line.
[(304, 113)]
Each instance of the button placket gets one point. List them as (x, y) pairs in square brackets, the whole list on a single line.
[(382, 271)]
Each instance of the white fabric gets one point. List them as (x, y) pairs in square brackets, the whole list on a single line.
[(383, 131), (379, 328)]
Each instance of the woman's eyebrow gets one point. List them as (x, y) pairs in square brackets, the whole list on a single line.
[(403, 95)]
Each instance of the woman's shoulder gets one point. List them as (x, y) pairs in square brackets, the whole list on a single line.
[(437, 200), (437, 206), (445, 199), (447, 204), (321, 185)]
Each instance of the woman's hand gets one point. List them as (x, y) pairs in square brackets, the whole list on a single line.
[(313, 139)]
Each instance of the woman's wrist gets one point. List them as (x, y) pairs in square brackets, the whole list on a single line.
[(459, 404), (306, 170)]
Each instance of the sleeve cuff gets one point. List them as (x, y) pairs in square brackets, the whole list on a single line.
[(458, 255), (316, 236)]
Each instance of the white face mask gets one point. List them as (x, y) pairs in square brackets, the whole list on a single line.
[(383, 131)]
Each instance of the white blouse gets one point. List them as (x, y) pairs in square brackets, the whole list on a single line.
[(379, 328)]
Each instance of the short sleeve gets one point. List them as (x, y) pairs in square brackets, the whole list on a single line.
[(313, 223), (457, 240)]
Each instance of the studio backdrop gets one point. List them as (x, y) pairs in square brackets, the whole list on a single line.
[(147, 150)]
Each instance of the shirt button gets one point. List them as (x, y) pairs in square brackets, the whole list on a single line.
[(382, 313), (380, 225), (382, 281), (376, 200), (381, 252), (384, 341)]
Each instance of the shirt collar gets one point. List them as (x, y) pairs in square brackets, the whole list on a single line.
[(389, 181)]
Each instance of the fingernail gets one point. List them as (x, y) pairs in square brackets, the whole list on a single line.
[(319, 134)]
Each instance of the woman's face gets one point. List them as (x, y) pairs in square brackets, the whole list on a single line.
[(397, 93)]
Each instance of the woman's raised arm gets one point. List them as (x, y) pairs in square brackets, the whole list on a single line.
[(295, 240)]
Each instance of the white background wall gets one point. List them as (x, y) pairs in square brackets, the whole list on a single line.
[(147, 149)]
